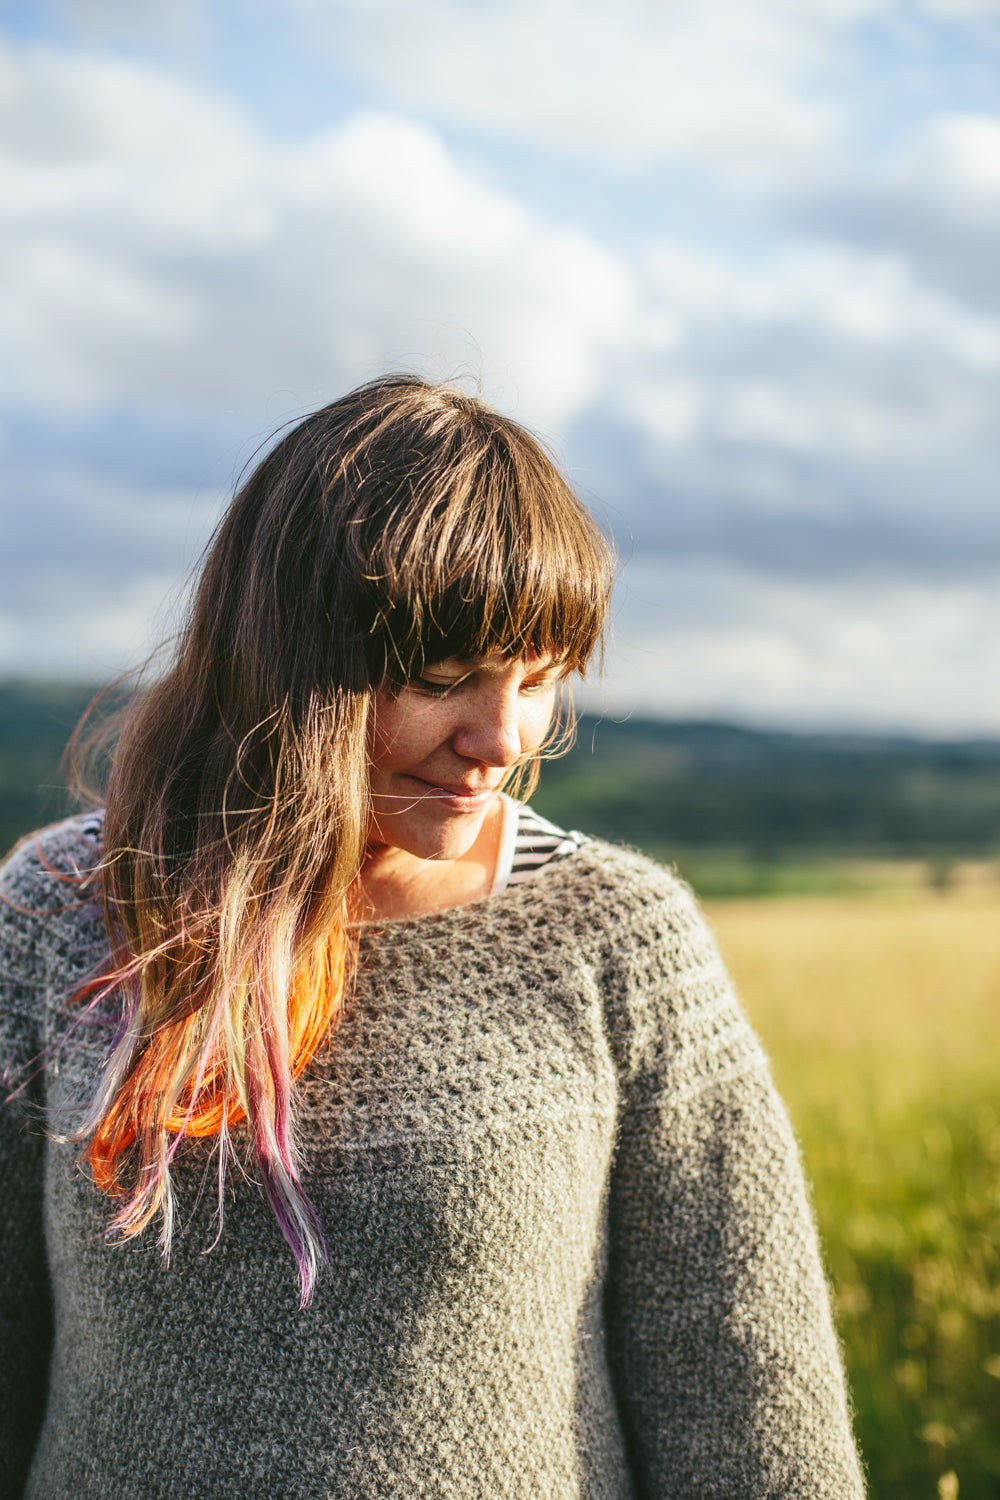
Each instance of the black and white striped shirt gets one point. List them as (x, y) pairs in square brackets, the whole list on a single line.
[(527, 842)]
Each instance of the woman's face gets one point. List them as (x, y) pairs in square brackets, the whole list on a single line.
[(443, 745)]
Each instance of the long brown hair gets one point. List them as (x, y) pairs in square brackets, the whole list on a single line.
[(402, 525)]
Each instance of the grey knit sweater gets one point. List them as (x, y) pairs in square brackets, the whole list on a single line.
[(570, 1249)]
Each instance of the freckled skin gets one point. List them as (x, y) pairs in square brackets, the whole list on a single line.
[(440, 750)]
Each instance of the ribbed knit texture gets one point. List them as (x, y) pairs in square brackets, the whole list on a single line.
[(570, 1249)]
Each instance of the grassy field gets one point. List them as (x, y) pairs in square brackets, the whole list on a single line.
[(882, 1016)]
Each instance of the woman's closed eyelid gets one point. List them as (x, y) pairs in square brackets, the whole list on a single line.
[(439, 687)]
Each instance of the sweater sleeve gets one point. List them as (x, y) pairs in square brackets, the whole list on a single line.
[(722, 1347), (25, 1301)]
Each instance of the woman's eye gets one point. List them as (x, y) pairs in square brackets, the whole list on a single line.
[(437, 687)]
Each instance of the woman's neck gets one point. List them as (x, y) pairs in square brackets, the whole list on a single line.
[(396, 884)]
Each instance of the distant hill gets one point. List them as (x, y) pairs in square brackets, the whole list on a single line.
[(666, 787), (765, 792), (36, 720), (691, 785)]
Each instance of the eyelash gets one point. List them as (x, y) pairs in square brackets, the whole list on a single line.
[(440, 689)]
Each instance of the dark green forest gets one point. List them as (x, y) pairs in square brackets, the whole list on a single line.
[(769, 793), (728, 804), (36, 720)]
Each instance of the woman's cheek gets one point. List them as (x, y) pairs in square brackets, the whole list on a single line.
[(538, 721)]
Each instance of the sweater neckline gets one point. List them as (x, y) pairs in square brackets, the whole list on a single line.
[(495, 899)]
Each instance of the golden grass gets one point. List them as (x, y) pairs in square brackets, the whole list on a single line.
[(901, 991), (882, 1017)]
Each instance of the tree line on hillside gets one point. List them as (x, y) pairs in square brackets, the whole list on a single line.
[(662, 786), (769, 794)]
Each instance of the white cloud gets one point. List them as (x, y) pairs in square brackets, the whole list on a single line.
[(632, 84), (94, 568), (82, 634), (953, 160), (933, 204), (709, 640), (824, 410), (159, 248), (179, 23), (822, 352), (753, 93), (188, 260), (870, 300), (962, 10)]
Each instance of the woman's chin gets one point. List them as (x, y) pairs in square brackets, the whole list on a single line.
[(441, 837)]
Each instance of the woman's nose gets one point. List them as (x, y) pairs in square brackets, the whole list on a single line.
[(491, 734)]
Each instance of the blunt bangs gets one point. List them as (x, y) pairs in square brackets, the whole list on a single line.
[(490, 552)]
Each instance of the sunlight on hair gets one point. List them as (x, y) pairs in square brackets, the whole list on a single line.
[(402, 525)]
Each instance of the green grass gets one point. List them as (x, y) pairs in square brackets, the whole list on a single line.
[(733, 874), (910, 1216), (882, 1015)]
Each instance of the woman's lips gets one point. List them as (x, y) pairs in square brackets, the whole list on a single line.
[(456, 798)]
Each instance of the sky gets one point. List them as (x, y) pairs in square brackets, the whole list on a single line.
[(735, 263)]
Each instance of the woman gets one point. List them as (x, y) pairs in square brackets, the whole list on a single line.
[(488, 1081)]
